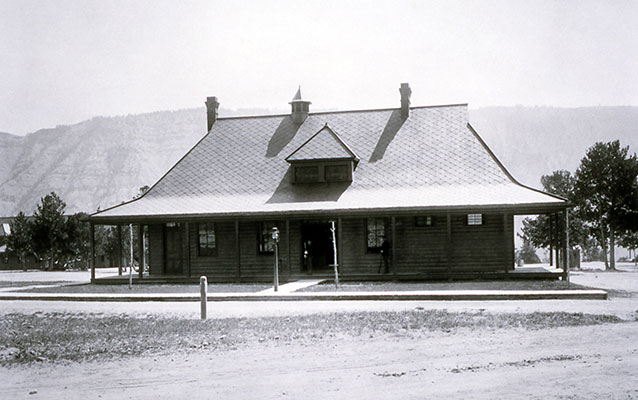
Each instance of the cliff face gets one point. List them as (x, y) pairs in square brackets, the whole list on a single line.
[(104, 161), (96, 163)]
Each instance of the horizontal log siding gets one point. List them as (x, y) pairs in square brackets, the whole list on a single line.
[(421, 249), (156, 249), (257, 265), (355, 258), (479, 248), (221, 266)]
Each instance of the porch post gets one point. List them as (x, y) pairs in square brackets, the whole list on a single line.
[(551, 240), (92, 247), (340, 238), (566, 247), (188, 248), (140, 245), (119, 249), (289, 268), (394, 246), (448, 245), (506, 250), (237, 251)]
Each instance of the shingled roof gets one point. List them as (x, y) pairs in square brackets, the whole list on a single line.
[(323, 145), (431, 160)]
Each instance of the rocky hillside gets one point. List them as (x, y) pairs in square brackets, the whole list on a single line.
[(96, 163), (534, 141), (103, 161)]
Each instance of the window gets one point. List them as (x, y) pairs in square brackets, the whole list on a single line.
[(424, 220), (307, 174), (266, 242), (375, 232), (206, 240), (336, 173), (475, 219)]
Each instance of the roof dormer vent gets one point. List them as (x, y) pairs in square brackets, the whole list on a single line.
[(300, 108)]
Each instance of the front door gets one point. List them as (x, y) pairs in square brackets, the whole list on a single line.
[(317, 247), (173, 247)]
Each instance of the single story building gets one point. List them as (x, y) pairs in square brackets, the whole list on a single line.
[(420, 179)]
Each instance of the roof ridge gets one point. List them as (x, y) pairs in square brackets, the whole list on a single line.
[(344, 111)]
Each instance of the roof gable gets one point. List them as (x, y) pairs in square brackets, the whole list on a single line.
[(323, 145)]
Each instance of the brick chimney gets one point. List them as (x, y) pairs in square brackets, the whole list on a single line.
[(406, 92), (300, 108), (211, 110)]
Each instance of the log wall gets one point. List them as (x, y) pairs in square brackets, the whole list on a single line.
[(419, 250)]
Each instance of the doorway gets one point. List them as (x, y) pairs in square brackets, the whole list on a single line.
[(173, 249), (317, 248)]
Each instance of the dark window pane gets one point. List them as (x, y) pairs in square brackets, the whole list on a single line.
[(375, 233), (306, 174), (266, 242), (206, 240), (336, 173)]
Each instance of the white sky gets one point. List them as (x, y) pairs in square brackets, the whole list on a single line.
[(65, 61)]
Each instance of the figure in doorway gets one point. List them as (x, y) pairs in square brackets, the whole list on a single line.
[(307, 254), (385, 256)]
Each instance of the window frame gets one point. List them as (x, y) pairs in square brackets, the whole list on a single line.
[(206, 251), (428, 221), (475, 219), (264, 237), (378, 222)]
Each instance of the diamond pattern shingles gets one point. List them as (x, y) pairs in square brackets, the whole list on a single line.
[(323, 145), (430, 159)]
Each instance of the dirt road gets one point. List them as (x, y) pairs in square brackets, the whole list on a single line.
[(591, 362)]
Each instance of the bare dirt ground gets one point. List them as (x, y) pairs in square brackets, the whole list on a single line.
[(593, 362), (584, 362)]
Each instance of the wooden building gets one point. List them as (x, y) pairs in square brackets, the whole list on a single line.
[(421, 177)]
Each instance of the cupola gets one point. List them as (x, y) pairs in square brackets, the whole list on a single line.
[(300, 108)]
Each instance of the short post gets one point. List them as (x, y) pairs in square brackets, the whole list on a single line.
[(203, 294), (275, 237)]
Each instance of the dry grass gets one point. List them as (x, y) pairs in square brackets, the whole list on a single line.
[(146, 288), (18, 284), (55, 337), (467, 285)]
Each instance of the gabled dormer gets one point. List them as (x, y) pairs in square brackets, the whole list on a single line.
[(325, 157)]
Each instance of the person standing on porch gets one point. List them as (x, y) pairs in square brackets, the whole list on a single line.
[(385, 255)]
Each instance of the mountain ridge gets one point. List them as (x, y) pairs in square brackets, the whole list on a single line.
[(103, 161)]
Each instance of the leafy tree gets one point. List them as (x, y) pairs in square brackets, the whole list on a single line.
[(527, 253), (19, 241), (76, 249), (536, 230), (49, 232), (606, 192), (630, 241)]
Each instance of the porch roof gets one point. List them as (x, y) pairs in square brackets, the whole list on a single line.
[(429, 161)]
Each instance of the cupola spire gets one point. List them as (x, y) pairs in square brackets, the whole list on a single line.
[(300, 108)]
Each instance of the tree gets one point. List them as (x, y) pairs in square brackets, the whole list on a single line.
[(527, 253), (76, 249), (49, 232), (19, 241), (536, 231), (606, 192)]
